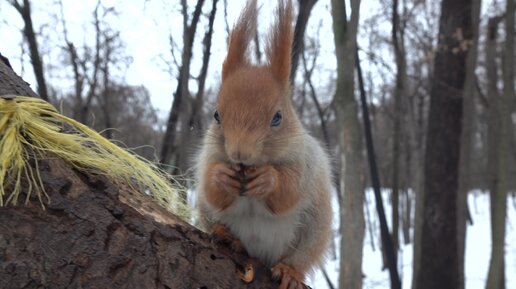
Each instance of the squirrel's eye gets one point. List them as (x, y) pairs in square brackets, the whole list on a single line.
[(216, 116), (276, 119)]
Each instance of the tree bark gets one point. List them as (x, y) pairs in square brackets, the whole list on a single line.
[(349, 138), (95, 234), (11, 83), (439, 255)]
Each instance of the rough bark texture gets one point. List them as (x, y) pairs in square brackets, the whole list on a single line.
[(95, 234), (439, 244), (10, 83)]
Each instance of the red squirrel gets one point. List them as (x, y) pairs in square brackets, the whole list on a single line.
[(260, 174)]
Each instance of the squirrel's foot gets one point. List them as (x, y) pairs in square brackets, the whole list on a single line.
[(288, 277), (221, 234)]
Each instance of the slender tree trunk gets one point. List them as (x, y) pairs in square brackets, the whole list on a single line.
[(493, 148), (305, 7), (418, 187), (30, 36), (93, 82), (105, 97), (349, 138), (499, 151), (182, 90), (407, 216), (191, 128), (439, 243), (399, 95), (308, 71), (466, 148)]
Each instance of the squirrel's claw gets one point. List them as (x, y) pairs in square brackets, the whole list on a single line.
[(288, 277), (248, 275)]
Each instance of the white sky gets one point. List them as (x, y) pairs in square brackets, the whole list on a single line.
[(145, 26)]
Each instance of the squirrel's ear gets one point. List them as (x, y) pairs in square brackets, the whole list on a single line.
[(241, 35), (280, 43)]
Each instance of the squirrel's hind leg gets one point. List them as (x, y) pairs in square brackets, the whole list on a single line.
[(222, 235)]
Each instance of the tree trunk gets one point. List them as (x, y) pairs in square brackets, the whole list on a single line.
[(30, 37), (418, 132), (305, 7), (182, 90), (95, 234), (467, 141), (191, 130), (10, 83), (500, 122), (439, 255), (349, 138), (399, 95)]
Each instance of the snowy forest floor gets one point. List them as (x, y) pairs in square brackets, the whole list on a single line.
[(478, 247)]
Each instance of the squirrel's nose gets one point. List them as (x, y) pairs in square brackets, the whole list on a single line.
[(240, 156)]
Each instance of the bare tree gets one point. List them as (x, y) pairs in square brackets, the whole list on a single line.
[(192, 125), (24, 8), (398, 43), (439, 255), (494, 154), (86, 79), (182, 92), (305, 7), (466, 146), (500, 110), (352, 174)]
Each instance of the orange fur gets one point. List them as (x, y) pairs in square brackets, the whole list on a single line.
[(268, 184), (314, 254), (280, 184)]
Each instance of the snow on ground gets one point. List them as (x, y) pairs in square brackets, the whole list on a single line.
[(478, 248)]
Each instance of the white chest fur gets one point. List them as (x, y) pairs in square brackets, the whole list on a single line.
[(264, 235)]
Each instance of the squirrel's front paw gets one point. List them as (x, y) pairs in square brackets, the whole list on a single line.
[(227, 177), (262, 181), (222, 185)]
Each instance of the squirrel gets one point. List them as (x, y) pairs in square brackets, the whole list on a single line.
[(260, 175)]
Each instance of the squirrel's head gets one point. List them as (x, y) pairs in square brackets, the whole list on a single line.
[(254, 113)]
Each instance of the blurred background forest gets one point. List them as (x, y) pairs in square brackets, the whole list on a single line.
[(438, 78)]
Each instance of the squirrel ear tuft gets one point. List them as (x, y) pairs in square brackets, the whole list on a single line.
[(242, 33), (280, 43)]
